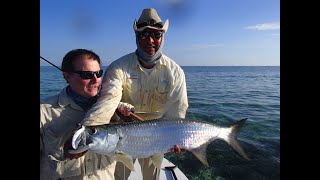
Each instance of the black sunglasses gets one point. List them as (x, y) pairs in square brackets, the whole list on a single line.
[(89, 74), (144, 35)]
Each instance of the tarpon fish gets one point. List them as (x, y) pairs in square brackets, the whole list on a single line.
[(153, 138)]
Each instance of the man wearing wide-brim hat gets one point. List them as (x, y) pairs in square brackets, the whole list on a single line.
[(149, 22), (146, 79)]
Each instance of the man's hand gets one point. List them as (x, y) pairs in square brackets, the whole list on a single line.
[(67, 146), (125, 108), (177, 150)]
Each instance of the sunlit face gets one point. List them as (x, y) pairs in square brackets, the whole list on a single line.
[(150, 45), (84, 87)]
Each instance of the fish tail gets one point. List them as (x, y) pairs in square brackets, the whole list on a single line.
[(232, 137)]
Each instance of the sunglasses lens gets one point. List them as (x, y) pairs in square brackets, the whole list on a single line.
[(157, 35), (86, 75), (89, 74), (145, 35), (99, 73)]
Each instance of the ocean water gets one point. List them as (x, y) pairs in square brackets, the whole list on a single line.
[(223, 95)]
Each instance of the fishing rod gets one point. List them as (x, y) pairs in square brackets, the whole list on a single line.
[(50, 63)]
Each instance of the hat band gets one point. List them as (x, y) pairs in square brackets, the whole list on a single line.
[(150, 23)]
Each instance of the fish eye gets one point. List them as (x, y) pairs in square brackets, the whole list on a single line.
[(93, 130)]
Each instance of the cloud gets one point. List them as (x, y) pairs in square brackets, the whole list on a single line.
[(265, 26)]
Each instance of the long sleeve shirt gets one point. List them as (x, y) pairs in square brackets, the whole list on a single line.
[(161, 89), (59, 116)]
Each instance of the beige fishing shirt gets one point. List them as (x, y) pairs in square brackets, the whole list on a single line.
[(59, 116), (163, 92)]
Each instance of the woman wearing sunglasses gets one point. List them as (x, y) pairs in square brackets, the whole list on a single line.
[(59, 116), (147, 79)]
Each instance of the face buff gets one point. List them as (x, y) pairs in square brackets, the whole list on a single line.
[(83, 102), (149, 59)]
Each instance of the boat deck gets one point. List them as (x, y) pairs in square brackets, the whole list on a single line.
[(165, 174)]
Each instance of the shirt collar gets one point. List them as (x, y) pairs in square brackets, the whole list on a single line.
[(65, 100), (160, 63)]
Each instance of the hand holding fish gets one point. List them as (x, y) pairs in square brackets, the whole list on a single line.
[(67, 146), (177, 150)]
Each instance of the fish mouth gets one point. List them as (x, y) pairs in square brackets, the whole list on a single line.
[(79, 141), (78, 137)]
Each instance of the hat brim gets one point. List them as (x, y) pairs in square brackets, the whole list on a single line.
[(164, 28)]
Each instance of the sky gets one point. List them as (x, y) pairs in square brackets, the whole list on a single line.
[(200, 33)]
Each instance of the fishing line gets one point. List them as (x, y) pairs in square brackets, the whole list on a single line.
[(50, 63)]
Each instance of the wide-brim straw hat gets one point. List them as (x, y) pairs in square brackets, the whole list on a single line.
[(149, 18)]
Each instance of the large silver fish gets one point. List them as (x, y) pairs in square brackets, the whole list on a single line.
[(153, 138)]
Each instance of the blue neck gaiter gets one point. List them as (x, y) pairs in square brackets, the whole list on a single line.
[(83, 102)]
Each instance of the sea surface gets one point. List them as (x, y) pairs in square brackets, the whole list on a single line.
[(223, 95)]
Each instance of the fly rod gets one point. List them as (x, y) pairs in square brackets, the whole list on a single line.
[(50, 63)]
